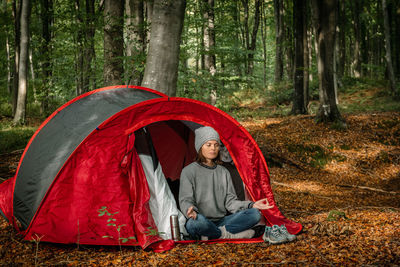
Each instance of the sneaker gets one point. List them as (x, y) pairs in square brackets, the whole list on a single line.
[(285, 232), (274, 235)]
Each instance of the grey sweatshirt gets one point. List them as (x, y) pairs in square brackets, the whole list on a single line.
[(209, 190)]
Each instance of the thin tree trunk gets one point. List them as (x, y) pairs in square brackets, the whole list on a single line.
[(342, 19), (356, 5), (89, 52), (135, 35), (253, 41), (298, 96), (32, 69), (246, 33), (20, 112), (289, 47), (278, 13), (209, 46), (17, 32), (238, 61), (264, 42), (306, 57), (335, 78), (9, 66), (161, 71), (396, 41), (113, 69), (388, 55), (198, 38), (4, 14), (47, 20), (325, 18)]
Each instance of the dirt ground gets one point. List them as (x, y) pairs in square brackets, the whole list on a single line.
[(342, 185)]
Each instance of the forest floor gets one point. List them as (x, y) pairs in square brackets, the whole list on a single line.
[(342, 185)]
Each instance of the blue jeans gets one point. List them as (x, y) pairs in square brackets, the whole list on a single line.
[(234, 223)]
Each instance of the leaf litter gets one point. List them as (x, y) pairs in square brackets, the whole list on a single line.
[(343, 186)]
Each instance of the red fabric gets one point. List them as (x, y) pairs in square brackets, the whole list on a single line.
[(93, 177), (162, 245), (140, 196), (245, 152), (171, 147), (6, 192)]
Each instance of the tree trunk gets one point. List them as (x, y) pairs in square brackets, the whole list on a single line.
[(356, 5), (162, 62), (264, 42), (238, 58), (306, 57), (17, 33), (209, 46), (396, 41), (253, 42), (278, 13), (113, 69), (388, 55), (135, 44), (45, 50), (325, 18), (289, 43), (342, 18), (10, 66), (20, 112), (4, 28), (89, 51), (246, 31), (33, 77), (298, 96)]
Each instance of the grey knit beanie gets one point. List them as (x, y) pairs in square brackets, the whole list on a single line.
[(203, 135)]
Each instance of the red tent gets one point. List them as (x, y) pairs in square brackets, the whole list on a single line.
[(90, 153)]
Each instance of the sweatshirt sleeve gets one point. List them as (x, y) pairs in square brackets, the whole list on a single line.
[(232, 203), (186, 194)]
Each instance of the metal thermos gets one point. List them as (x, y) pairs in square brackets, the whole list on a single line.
[(175, 232)]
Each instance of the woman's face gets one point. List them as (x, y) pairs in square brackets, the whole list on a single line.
[(210, 149)]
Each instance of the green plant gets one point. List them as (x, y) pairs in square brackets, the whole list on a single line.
[(153, 232), (111, 221), (14, 138), (314, 155), (335, 215), (281, 93), (36, 239)]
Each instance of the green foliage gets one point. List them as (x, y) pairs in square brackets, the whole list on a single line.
[(111, 221), (5, 108), (335, 215), (153, 232), (365, 95), (14, 138), (281, 93), (311, 154)]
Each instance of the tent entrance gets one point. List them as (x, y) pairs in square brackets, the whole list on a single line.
[(164, 149)]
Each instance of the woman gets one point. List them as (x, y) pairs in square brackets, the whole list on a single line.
[(207, 196)]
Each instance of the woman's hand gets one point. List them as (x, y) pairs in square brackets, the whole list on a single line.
[(191, 213), (262, 204)]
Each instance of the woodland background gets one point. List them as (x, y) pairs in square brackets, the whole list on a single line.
[(275, 51), (279, 67)]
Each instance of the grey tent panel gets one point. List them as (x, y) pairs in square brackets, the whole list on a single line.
[(57, 140)]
